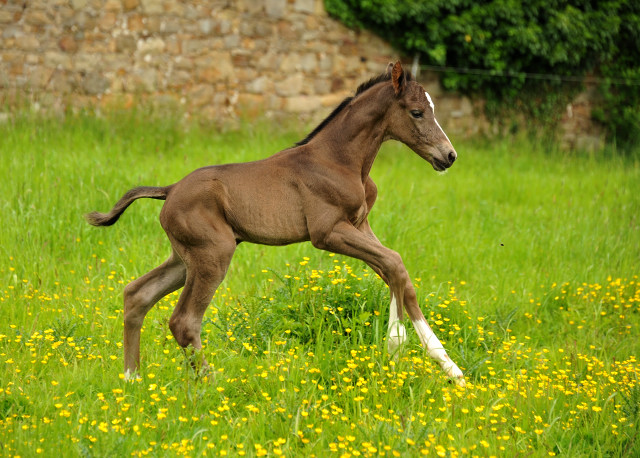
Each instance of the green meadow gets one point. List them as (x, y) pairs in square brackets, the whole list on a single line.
[(525, 260)]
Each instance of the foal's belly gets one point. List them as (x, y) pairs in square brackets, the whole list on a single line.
[(268, 224), (267, 212)]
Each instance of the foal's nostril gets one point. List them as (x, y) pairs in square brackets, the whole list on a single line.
[(452, 157)]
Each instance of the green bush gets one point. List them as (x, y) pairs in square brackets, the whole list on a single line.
[(507, 39)]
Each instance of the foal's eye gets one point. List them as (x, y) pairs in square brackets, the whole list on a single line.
[(416, 114)]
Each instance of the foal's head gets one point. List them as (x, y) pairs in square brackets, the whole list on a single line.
[(412, 121)]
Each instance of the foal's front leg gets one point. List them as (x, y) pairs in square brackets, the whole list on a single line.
[(346, 239), (396, 332)]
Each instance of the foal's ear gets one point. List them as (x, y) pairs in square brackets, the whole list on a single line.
[(389, 68), (398, 78)]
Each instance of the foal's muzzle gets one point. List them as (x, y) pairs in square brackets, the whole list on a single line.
[(452, 156), (442, 163)]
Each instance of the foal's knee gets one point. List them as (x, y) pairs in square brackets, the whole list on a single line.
[(396, 271), (133, 315)]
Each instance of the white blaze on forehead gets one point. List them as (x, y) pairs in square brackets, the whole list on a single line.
[(441, 130), (433, 107)]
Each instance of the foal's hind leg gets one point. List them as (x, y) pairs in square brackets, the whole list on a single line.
[(207, 266), (139, 297)]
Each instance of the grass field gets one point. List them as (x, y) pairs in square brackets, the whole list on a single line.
[(525, 261)]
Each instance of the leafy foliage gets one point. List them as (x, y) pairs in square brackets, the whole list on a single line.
[(508, 38)]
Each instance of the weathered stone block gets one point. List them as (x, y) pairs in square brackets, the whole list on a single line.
[(28, 42), (251, 105), (334, 99), (303, 104), (13, 56), (269, 61), (95, 83), (290, 63), (215, 66), (38, 77), (86, 62), (183, 63), (173, 45), (7, 17), (143, 79), (107, 20), (112, 5), (200, 46), (201, 94), (178, 79), (152, 6), (125, 43), (79, 4), (259, 30), (275, 8), (322, 86), (304, 6), (12, 31), (290, 86), (309, 62), (177, 8), (250, 6), (56, 59), (231, 41), (61, 82), (135, 22), (241, 58), (82, 20), (36, 17), (325, 62), (151, 45), (206, 26), (68, 44), (260, 85), (130, 4), (96, 45), (286, 34), (33, 59)]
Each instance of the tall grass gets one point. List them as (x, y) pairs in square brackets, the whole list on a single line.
[(525, 263)]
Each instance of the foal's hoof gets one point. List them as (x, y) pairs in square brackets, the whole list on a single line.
[(132, 377), (459, 381)]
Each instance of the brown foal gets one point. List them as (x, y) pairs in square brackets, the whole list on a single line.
[(318, 191)]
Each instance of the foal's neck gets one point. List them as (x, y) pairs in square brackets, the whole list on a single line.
[(354, 137)]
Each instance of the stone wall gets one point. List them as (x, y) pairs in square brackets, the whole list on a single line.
[(210, 58), (215, 58)]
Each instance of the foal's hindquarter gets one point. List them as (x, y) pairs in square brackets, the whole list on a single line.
[(318, 191)]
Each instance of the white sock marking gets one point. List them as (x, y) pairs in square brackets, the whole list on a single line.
[(437, 352), (397, 333), (131, 376)]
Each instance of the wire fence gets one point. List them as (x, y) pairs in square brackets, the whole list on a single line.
[(534, 76)]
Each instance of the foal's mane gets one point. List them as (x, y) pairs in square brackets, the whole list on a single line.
[(362, 88)]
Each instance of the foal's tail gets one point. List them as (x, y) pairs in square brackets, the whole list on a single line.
[(107, 219)]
